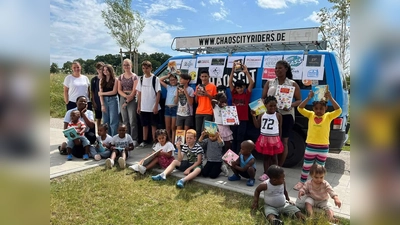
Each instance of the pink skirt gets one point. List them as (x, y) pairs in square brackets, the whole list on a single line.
[(269, 145), (225, 132), (164, 161)]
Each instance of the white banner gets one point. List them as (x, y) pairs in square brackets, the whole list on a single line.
[(187, 63), (233, 58), (253, 61), (203, 62)]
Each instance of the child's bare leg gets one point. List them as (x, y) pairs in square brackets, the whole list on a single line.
[(113, 155), (274, 160), (329, 213), (271, 217), (192, 175), (228, 145), (123, 154), (153, 132), (64, 146), (69, 151), (87, 149), (300, 215), (152, 163), (171, 167), (309, 209), (252, 172), (168, 126), (266, 162), (173, 128), (98, 123)]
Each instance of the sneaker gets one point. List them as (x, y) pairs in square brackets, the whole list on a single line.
[(97, 157), (277, 222), (180, 184), (298, 186), (143, 144), (135, 167), (142, 169), (263, 177), (225, 170), (135, 143), (121, 162), (69, 157), (234, 177), (62, 151), (85, 157), (157, 177), (109, 163), (250, 182)]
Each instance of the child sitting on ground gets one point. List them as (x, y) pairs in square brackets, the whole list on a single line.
[(81, 140), (190, 159), (121, 144), (245, 165), (103, 139), (214, 145), (317, 191), (276, 197), (164, 158)]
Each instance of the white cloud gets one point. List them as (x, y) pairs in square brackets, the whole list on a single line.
[(279, 4), (280, 13), (179, 20), (216, 2), (221, 15), (313, 17), (202, 3), (162, 5)]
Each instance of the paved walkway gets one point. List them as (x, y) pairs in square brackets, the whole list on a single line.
[(340, 182)]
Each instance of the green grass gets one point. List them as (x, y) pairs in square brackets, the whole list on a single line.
[(100, 196), (57, 105)]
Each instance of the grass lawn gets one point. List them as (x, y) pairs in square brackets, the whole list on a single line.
[(100, 196)]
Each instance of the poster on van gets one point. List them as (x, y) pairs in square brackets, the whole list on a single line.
[(253, 61), (187, 63), (314, 67), (269, 66), (296, 62), (231, 59)]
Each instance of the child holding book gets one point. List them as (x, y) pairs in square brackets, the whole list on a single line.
[(184, 98), (164, 157), (276, 197), (245, 165), (317, 191), (317, 141), (190, 158), (103, 143), (269, 143), (219, 102), (121, 144), (214, 145), (81, 140)]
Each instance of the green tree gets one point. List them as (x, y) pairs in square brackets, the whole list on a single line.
[(335, 28), (125, 24), (54, 68), (67, 67), (90, 66)]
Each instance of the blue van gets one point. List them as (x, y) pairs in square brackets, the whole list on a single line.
[(332, 76)]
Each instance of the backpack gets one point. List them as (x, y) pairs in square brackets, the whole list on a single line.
[(153, 82)]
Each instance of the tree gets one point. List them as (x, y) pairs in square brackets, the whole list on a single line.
[(54, 68), (90, 66), (67, 67), (335, 28), (125, 24)]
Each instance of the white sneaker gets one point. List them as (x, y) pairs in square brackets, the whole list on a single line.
[(135, 167), (109, 163), (97, 157), (135, 143), (142, 169), (143, 144), (121, 162), (225, 170)]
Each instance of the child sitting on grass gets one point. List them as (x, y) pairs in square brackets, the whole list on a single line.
[(245, 165), (276, 197), (121, 144), (317, 191), (190, 158), (164, 158), (81, 140)]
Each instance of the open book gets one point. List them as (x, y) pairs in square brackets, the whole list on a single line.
[(284, 96), (180, 136), (210, 127), (258, 106), (319, 92), (71, 133), (150, 157), (229, 115), (230, 156)]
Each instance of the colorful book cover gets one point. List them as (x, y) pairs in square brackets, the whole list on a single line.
[(230, 156), (180, 136), (99, 146), (319, 92), (258, 106), (284, 95), (229, 115), (150, 157), (71, 133), (210, 127)]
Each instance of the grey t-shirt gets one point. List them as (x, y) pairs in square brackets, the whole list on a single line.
[(214, 150)]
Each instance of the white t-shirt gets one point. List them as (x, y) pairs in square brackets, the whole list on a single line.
[(274, 195), (78, 86), (107, 141), (217, 114), (168, 147), (88, 113), (121, 142), (148, 94), (184, 109)]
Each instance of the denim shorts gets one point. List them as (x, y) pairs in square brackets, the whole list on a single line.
[(170, 111)]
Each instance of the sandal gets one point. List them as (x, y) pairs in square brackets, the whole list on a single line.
[(62, 151), (298, 186)]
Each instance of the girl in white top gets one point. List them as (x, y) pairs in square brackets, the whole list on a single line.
[(163, 158), (269, 143), (76, 85), (219, 102)]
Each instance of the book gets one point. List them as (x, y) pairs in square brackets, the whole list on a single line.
[(229, 115), (180, 136), (258, 106), (71, 133), (319, 92), (210, 127), (284, 96), (230, 156), (119, 149), (150, 157)]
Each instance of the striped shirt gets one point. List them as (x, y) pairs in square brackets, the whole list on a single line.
[(190, 154)]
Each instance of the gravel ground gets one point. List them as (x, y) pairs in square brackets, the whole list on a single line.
[(336, 163)]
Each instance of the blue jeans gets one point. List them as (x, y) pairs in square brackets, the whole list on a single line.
[(129, 117), (111, 115)]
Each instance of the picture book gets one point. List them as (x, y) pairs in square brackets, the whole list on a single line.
[(258, 106), (119, 149), (149, 158), (230, 156), (180, 136), (284, 95), (229, 115), (319, 92), (70, 133), (99, 146), (210, 127)]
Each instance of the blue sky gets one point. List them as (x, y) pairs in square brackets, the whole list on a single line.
[(77, 29)]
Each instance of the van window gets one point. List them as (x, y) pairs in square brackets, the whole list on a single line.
[(342, 75)]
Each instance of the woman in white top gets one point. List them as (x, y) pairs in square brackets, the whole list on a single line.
[(75, 85)]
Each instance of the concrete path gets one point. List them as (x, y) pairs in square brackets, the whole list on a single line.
[(340, 182)]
